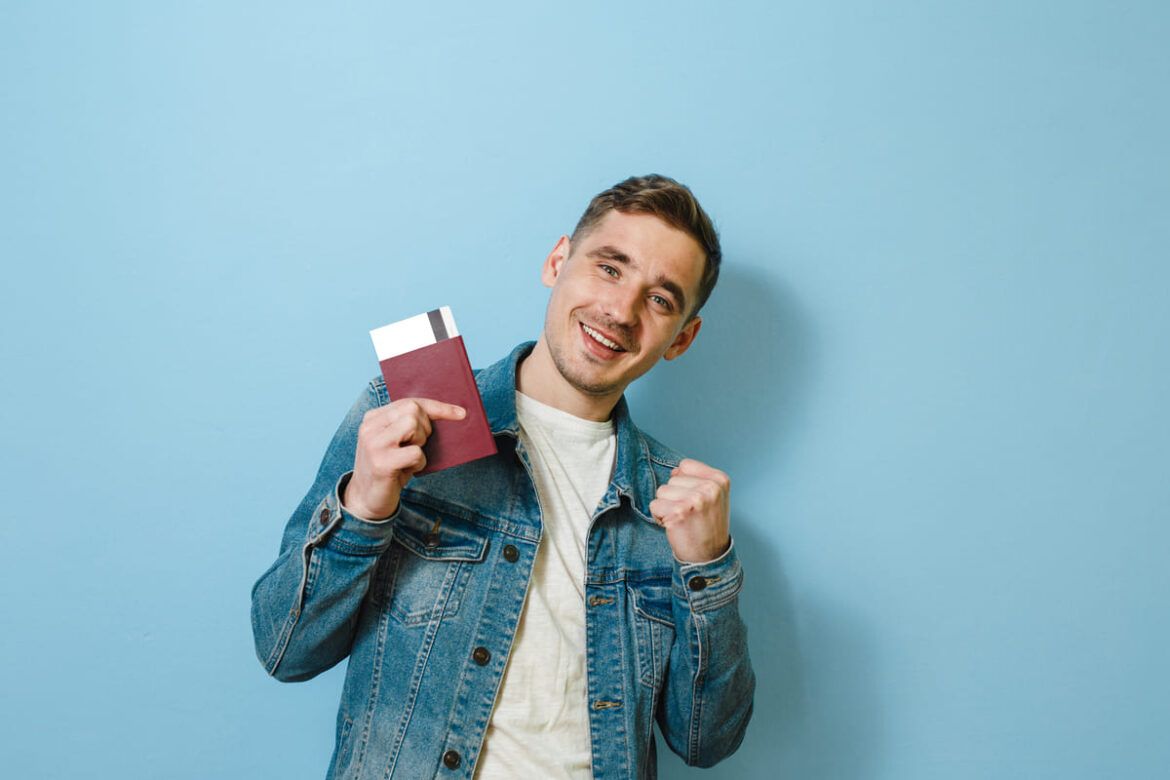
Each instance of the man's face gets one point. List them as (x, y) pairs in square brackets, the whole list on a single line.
[(620, 296)]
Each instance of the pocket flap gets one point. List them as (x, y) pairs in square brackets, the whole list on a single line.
[(437, 537), (653, 601)]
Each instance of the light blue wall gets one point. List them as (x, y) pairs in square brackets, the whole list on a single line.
[(935, 366)]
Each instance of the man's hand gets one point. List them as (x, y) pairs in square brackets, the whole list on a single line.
[(694, 508), (389, 452)]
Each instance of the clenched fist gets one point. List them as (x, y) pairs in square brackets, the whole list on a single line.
[(389, 452), (694, 507)]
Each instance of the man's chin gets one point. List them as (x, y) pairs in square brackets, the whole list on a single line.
[(586, 379), (593, 386)]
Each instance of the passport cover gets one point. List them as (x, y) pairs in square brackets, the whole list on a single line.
[(442, 371)]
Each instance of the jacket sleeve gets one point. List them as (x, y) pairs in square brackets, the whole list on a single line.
[(709, 686), (305, 607)]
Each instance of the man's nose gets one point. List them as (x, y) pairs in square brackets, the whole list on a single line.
[(622, 306)]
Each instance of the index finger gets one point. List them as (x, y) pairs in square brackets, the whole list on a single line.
[(440, 410), (696, 468)]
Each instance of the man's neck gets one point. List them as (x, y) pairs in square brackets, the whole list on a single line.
[(537, 377)]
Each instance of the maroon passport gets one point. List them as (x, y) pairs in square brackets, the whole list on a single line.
[(442, 371)]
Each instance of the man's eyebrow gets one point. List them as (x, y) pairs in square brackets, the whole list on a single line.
[(675, 290), (613, 253), (618, 256)]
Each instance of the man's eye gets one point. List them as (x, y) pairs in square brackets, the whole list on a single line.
[(661, 301), (609, 269)]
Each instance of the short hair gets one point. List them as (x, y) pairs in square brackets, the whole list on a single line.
[(671, 202)]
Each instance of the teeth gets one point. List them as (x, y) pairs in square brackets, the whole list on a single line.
[(602, 339)]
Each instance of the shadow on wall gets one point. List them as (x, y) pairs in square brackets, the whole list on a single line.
[(733, 400), (733, 397)]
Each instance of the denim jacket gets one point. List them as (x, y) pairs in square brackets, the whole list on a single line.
[(425, 604)]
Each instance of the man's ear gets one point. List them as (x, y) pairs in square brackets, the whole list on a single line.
[(684, 339), (555, 260)]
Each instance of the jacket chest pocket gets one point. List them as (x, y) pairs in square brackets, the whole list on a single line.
[(422, 576), (653, 628)]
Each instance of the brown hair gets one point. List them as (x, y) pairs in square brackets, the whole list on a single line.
[(671, 202)]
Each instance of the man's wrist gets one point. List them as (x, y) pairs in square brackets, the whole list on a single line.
[(356, 509), (714, 555)]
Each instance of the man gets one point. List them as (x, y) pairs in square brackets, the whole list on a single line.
[(533, 613)]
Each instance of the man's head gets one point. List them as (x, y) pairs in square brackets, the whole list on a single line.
[(628, 285), (671, 202)]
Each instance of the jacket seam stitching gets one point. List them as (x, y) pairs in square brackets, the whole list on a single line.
[(696, 694), (294, 614), (428, 643), (720, 600), (337, 544), (672, 463)]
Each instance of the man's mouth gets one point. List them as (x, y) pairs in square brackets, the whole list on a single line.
[(600, 338)]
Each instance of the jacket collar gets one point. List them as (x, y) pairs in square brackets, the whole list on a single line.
[(633, 476)]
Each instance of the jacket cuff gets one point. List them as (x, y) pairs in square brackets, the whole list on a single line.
[(709, 584), (334, 527)]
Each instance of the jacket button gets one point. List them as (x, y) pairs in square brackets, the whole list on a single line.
[(324, 516), (451, 759), (511, 554), (431, 540), (697, 583), (481, 655)]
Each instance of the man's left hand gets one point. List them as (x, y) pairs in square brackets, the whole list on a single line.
[(694, 508)]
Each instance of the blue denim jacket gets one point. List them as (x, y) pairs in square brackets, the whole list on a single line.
[(425, 605)]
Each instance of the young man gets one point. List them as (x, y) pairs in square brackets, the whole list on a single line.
[(533, 613)]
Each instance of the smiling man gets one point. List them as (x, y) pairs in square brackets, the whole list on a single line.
[(534, 613)]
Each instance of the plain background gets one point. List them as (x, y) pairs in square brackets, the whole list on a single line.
[(935, 365)]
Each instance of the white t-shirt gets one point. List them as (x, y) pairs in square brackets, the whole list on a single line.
[(540, 725)]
